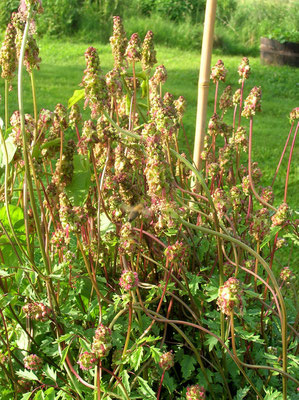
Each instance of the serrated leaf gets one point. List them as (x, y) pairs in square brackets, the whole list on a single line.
[(211, 342), (136, 358), (145, 389), (148, 339), (241, 393), (155, 353), (187, 365), (50, 373), (77, 96), (125, 381), (28, 375)]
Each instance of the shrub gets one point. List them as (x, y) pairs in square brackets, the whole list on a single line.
[(118, 257)]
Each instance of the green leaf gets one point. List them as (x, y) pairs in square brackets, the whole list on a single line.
[(5, 300), (145, 389), (187, 365), (271, 235), (64, 354), (28, 375), (77, 96), (78, 188), (241, 393), (39, 395), (16, 216), (155, 353), (211, 342), (125, 381), (136, 358), (50, 394), (106, 224), (26, 396), (50, 373), (11, 148)]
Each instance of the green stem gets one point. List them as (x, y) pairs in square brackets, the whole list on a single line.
[(237, 359), (34, 104), (6, 90)]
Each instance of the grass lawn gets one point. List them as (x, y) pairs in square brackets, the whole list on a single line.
[(63, 64)]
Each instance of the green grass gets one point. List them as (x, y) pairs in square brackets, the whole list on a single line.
[(63, 64)]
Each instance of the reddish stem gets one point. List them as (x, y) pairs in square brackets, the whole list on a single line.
[(282, 154), (289, 165), (160, 386)]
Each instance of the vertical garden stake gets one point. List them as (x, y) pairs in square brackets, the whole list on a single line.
[(204, 77)]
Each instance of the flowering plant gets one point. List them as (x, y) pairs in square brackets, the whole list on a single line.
[(100, 220)]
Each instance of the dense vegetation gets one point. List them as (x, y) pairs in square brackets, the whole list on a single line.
[(125, 272), (178, 23)]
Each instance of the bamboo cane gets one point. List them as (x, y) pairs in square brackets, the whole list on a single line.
[(204, 78)]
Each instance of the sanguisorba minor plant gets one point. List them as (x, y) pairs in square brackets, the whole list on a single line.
[(118, 279)]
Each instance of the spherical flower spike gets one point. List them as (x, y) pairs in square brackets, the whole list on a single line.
[(8, 57), (195, 392), (33, 362), (37, 311), (218, 72), (87, 360), (229, 296), (128, 280), (133, 51), (286, 275), (244, 69), (148, 53), (281, 215), (167, 360), (102, 341), (118, 42), (252, 102)]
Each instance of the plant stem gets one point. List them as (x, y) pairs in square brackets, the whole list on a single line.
[(282, 154), (289, 164), (160, 386), (6, 91), (237, 359)]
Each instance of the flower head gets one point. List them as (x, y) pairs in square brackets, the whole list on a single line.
[(37, 311), (8, 56), (218, 72), (167, 360), (195, 392), (129, 280), (252, 103), (244, 69), (102, 341), (148, 53), (229, 296), (33, 362), (118, 42), (87, 360), (281, 215), (133, 51)]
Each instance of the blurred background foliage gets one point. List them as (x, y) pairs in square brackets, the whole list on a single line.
[(177, 23)]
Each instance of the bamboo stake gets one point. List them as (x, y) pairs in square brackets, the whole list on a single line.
[(204, 78)]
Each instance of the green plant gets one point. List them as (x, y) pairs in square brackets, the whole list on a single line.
[(118, 279)]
